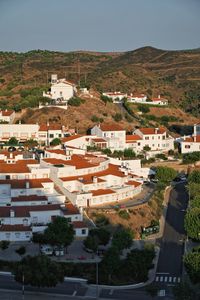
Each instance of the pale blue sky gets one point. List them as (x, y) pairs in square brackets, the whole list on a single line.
[(99, 25)]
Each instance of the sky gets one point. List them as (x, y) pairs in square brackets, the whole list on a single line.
[(98, 25)]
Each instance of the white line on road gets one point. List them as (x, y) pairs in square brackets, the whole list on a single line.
[(161, 279), (170, 279), (162, 273), (111, 292), (179, 280), (174, 279), (74, 293), (157, 278), (166, 278)]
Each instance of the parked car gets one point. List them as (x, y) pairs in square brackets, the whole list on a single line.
[(46, 249)]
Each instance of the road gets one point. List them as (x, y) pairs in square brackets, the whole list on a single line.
[(169, 269), (170, 265)]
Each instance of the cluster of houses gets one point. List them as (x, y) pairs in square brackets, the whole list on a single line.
[(118, 97), (68, 178)]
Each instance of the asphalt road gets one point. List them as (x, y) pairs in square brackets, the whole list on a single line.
[(170, 264)]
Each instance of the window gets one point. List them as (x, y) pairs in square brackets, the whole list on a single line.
[(187, 146), (51, 135), (83, 231), (7, 235), (163, 137), (17, 235), (27, 234), (146, 137), (7, 176)]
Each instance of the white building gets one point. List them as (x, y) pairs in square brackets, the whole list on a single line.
[(61, 90), (115, 96), (191, 143), (159, 101), (157, 139), (7, 116), (113, 134), (137, 98)]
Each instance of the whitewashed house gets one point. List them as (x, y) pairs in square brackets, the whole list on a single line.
[(191, 144), (113, 134), (7, 116), (157, 139), (137, 98), (61, 89), (115, 96)]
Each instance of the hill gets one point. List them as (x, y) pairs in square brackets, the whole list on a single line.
[(173, 74)]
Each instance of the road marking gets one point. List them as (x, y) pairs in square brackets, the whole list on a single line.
[(179, 280), (74, 293), (170, 279), (111, 292), (162, 273), (174, 279), (166, 278), (157, 278), (161, 278)]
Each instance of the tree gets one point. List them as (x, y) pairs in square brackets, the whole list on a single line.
[(91, 243), (12, 141), (129, 153), (183, 291), (110, 263), (146, 148), (165, 174), (38, 271), (192, 223), (122, 239), (31, 143), (143, 108), (106, 151), (117, 117), (105, 99), (192, 264), (195, 202), (55, 142), (101, 234), (59, 233), (194, 177)]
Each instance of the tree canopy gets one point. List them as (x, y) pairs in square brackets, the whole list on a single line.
[(122, 239), (194, 177), (192, 264), (165, 174), (39, 271), (192, 223), (55, 142)]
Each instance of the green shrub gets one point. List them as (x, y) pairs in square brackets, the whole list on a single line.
[(75, 101), (4, 244), (117, 117), (124, 214), (21, 250)]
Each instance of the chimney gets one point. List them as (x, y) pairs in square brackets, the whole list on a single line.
[(195, 138), (156, 130), (195, 129), (94, 179), (27, 185), (47, 123), (20, 122), (158, 96), (11, 155), (12, 213)]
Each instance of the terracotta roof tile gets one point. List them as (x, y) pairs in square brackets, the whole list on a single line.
[(11, 228), (100, 192), (132, 138), (148, 131), (111, 127)]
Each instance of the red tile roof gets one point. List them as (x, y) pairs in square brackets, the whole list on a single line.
[(111, 127), (132, 138), (24, 211), (56, 151), (192, 139), (70, 209), (102, 192), (79, 224), (45, 127), (152, 130), (111, 170), (77, 160), (6, 113), (29, 198), (11, 228), (21, 183), (71, 138), (20, 166), (99, 140), (134, 183)]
